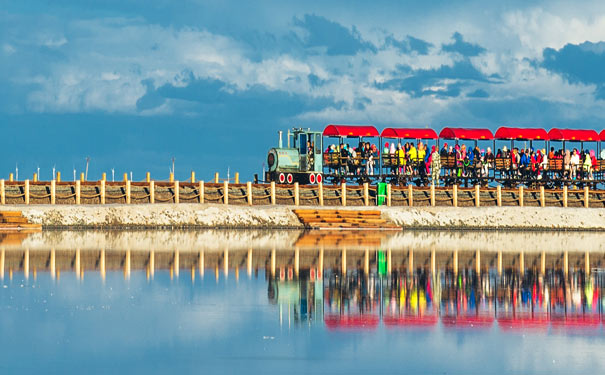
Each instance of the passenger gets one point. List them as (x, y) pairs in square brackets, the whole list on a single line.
[(401, 158), (386, 148), (551, 154), (603, 154), (574, 163), (435, 165), (444, 150), (587, 167), (567, 164)]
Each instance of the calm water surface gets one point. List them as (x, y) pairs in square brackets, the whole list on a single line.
[(255, 302)]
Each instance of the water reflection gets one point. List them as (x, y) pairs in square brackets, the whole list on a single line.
[(423, 299), (251, 302)]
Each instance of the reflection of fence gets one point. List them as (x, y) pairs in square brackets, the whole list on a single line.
[(130, 192), (290, 263)]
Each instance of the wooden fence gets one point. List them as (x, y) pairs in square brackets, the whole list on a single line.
[(130, 192)]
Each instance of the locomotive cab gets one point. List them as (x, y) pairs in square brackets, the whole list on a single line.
[(301, 161)]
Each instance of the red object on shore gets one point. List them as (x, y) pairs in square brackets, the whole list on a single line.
[(409, 133), (466, 133), (350, 131), (582, 135), (530, 134)]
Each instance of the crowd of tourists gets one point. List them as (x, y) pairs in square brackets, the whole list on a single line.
[(459, 161)]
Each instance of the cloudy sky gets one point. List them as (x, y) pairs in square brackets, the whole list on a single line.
[(134, 83)]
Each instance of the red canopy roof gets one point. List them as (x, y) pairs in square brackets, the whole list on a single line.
[(466, 133), (409, 133), (350, 131), (573, 135), (603, 135), (521, 133)]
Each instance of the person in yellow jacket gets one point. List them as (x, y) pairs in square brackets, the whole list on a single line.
[(401, 158), (413, 154)]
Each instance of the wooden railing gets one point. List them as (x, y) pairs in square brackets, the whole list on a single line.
[(130, 192)]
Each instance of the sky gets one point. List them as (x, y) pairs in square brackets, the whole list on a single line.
[(132, 84)]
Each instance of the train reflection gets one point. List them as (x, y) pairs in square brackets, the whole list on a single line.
[(462, 300)]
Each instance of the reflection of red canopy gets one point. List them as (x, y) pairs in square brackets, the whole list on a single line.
[(466, 133), (602, 135), (365, 321), (410, 320), (579, 321), (521, 133), (350, 131), (473, 321), (573, 135), (409, 133), (524, 321)]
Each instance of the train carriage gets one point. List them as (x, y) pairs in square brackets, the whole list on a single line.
[(395, 167)]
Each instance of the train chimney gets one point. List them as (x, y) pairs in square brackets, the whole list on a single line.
[(280, 144)]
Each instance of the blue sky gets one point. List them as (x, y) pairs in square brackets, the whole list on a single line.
[(133, 84)]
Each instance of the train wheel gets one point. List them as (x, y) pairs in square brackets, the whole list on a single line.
[(312, 178), (319, 178), (290, 178), (282, 178)]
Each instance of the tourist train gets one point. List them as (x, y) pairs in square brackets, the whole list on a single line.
[(360, 153)]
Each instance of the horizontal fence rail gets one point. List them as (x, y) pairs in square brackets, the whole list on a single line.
[(131, 192)]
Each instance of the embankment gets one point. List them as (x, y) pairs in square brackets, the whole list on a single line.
[(274, 217)]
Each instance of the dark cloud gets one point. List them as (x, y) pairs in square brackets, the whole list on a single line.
[(419, 82), (335, 38), (479, 93), (582, 63), (462, 47), (409, 44), (206, 95)]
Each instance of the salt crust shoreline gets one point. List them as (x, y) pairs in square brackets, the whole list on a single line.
[(214, 216)]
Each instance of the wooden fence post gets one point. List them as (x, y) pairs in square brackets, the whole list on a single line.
[(477, 196), (226, 192), (366, 194), (216, 178), (201, 192), (2, 192), (296, 194), (53, 192), (147, 177), (542, 197), (10, 177), (58, 176), (26, 192), (236, 178), (499, 195), (389, 195), (151, 192), (171, 177), (102, 191), (249, 192), (192, 177), (127, 191), (455, 195), (343, 194), (565, 196), (273, 201), (410, 196), (433, 195), (520, 196), (35, 178), (78, 192), (177, 197), (586, 197), (82, 177), (321, 193)]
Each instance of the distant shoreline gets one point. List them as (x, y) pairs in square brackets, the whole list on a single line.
[(216, 216)]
